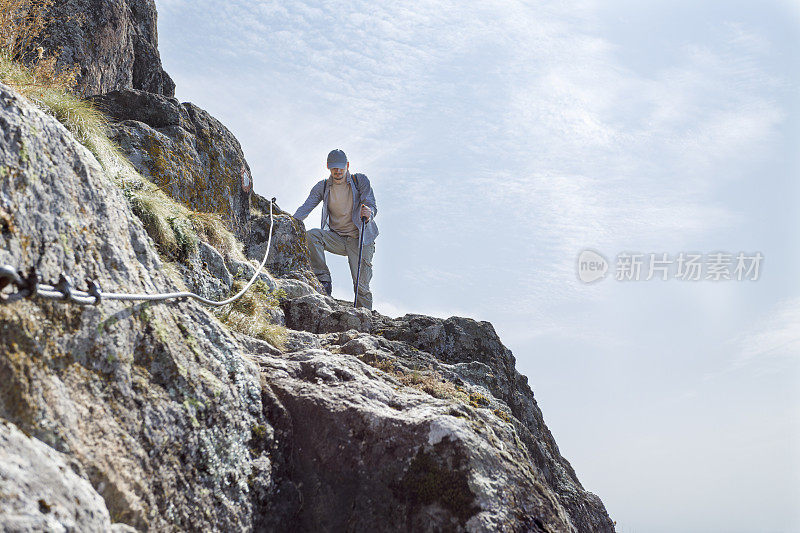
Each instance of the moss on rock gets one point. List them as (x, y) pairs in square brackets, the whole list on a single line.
[(439, 477)]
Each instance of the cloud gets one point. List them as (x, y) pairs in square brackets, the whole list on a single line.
[(773, 340), (513, 129)]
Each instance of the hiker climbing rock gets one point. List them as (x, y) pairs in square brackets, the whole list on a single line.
[(347, 228)]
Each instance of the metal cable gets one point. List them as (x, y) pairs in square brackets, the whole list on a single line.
[(64, 290)]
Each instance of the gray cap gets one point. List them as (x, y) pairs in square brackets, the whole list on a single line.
[(337, 159)]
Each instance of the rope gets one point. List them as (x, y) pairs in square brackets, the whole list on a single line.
[(29, 286)]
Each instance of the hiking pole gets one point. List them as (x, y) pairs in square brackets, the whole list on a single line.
[(360, 247)]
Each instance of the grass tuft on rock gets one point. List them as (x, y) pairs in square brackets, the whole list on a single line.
[(213, 230), (428, 381), (433, 383), (250, 313), (175, 228)]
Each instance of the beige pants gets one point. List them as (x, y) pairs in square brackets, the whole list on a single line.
[(320, 241)]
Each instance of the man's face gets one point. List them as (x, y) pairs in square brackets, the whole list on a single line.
[(338, 173)]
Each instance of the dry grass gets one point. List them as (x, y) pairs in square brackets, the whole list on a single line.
[(274, 334), (427, 381), (213, 230), (33, 72), (433, 383), (248, 314), (22, 28), (39, 76), (22, 24)]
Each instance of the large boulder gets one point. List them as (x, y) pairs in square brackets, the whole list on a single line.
[(318, 313), (459, 352), (478, 356), (185, 151), (115, 43), (57, 498), (372, 458), (288, 254)]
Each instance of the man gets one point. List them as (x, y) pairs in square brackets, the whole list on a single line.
[(345, 199)]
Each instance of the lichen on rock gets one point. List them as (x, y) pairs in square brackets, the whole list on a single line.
[(184, 150)]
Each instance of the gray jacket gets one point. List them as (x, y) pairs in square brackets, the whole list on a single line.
[(362, 194)]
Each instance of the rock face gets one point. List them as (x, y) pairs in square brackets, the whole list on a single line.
[(115, 42), (158, 417), (288, 255), (478, 357), (375, 459), (156, 403), (185, 151), (197, 161), (56, 498)]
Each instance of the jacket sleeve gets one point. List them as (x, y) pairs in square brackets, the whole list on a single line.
[(366, 194), (313, 200)]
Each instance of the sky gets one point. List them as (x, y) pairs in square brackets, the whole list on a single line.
[(502, 139)]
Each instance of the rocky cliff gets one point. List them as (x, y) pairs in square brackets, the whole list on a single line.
[(114, 42), (171, 416)]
